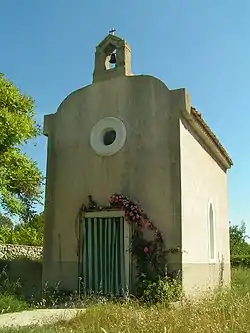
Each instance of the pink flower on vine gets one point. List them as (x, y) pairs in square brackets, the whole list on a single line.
[(146, 249)]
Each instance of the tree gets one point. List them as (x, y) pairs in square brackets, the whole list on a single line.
[(24, 233), (20, 178), (238, 243), (21, 235), (35, 222), (5, 221)]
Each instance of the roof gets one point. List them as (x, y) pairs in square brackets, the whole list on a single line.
[(198, 118)]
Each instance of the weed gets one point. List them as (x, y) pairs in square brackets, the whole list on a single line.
[(223, 311)]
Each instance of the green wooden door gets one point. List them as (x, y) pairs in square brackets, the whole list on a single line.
[(104, 255)]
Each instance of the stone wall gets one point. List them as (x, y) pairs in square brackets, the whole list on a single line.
[(10, 252)]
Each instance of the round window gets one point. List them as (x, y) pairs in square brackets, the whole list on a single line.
[(108, 136)]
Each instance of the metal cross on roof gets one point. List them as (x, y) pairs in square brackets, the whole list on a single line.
[(112, 31)]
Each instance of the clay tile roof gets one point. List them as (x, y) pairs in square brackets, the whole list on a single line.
[(198, 117)]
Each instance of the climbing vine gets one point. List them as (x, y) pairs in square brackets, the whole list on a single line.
[(147, 246), (147, 241)]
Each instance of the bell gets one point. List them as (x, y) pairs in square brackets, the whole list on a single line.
[(112, 59)]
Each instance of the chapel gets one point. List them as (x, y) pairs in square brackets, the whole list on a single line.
[(129, 137)]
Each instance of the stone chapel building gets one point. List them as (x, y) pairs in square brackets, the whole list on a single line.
[(131, 134)]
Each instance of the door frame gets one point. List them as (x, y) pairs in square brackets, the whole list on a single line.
[(112, 213)]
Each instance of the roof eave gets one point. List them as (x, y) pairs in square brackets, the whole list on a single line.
[(209, 138)]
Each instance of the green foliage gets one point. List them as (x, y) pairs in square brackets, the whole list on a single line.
[(21, 235), (6, 286), (240, 260), (239, 247), (162, 290), (5, 221), (226, 311), (10, 303), (29, 233), (238, 243), (149, 253), (36, 222), (11, 299), (20, 179)]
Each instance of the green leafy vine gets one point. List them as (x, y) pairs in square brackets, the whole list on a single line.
[(149, 254)]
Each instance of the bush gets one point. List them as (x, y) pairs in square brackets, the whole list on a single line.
[(239, 247), (240, 260), (162, 290), (10, 303), (11, 299)]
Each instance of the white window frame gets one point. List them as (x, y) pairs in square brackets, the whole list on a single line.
[(211, 204), (98, 131)]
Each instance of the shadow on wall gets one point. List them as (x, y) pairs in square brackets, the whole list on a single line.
[(27, 272)]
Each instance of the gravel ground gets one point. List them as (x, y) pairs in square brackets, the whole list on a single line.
[(37, 317)]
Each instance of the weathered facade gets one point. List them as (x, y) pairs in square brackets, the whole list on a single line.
[(158, 151)]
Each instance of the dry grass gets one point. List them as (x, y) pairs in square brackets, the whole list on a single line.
[(227, 311)]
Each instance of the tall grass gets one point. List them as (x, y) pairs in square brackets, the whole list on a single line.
[(223, 311), (11, 299)]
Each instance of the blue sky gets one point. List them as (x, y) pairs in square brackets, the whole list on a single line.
[(47, 50)]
